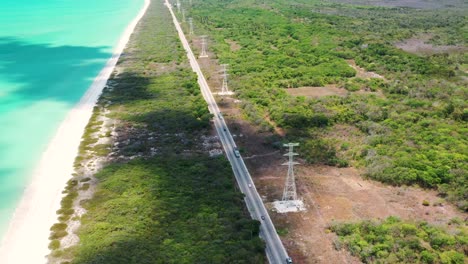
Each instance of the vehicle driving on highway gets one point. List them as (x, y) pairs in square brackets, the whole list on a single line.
[(275, 249), (237, 153)]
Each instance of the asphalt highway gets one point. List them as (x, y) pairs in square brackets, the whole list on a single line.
[(275, 251)]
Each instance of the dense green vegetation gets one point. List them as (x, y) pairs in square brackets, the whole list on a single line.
[(168, 210), (396, 241), (160, 198), (416, 125)]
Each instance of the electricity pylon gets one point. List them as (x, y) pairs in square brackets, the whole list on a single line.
[(203, 53), (289, 193), (224, 87), (190, 20)]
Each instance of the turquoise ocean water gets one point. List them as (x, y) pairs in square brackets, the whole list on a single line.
[(50, 52)]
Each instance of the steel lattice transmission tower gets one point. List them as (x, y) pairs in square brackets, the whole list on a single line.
[(178, 6), (190, 20), (224, 87), (203, 53), (289, 193)]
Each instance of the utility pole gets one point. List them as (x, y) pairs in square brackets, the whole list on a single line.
[(224, 87), (178, 6), (289, 193), (190, 20), (183, 15), (203, 51)]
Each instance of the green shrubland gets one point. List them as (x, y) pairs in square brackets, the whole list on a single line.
[(396, 241), (168, 210), (415, 127), (160, 197)]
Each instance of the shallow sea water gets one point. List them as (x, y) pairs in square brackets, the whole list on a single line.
[(50, 52)]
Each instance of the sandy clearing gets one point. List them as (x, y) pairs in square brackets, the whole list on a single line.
[(316, 92)]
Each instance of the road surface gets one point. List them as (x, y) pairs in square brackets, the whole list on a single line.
[(275, 250)]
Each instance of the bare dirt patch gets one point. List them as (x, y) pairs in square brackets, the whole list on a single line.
[(335, 90), (316, 92), (340, 194), (361, 72), (234, 45), (418, 45)]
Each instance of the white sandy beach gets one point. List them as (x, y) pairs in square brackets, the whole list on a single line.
[(26, 240)]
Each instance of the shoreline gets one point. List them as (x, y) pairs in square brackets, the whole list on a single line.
[(27, 237)]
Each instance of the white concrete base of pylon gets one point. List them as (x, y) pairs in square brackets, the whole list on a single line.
[(225, 93), (289, 206)]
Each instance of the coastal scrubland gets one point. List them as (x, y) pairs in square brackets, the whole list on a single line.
[(395, 241), (415, 131), (392, 100), (146, 189)]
